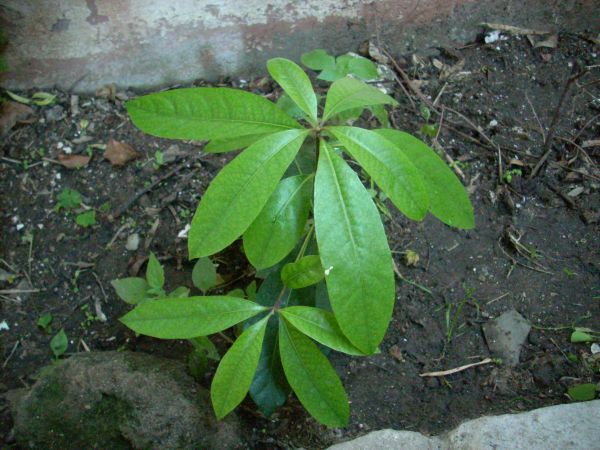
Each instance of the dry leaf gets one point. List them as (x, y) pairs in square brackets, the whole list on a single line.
[(551, 42), (108, 91), (119, 153), (11, 113), (73, 161)]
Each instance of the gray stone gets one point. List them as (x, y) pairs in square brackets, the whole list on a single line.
[(566, 427), (505, 336), (55, 113), (118, 400)]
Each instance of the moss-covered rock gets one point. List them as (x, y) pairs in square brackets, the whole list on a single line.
[(119, 400)]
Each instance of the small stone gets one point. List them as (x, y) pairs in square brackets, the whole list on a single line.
[(112, 400), (133, 242), (55, 113), (505, 336)]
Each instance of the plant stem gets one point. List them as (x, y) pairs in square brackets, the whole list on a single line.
[(305, 243)]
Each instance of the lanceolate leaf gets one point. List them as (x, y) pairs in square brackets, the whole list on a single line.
[(318, 59), (154, 273), (312, 378), (280, 224), (236, 370), (237, 195), (269, 388), (185, 318), (321, 326), (234, 143), (296, 84), (391, 169), (207, 113), (350, 93), (354, 253), (302, 273), (448, 199)]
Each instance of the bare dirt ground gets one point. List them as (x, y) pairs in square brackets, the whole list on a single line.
[(535, 247)]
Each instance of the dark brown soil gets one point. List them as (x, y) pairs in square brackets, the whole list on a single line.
[(477, 273)]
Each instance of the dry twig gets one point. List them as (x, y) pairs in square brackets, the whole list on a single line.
[(443, 373)]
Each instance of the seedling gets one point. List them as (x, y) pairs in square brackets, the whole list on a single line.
[(68, 199), (59, 343), (159, 159), (509, 174), (86, 219), (316, 234), (45, 321)]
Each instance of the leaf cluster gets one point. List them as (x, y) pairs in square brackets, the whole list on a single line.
[(308, 224)]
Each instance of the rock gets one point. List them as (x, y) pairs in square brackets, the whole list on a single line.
[(133, 242), (567, 427), (55, 113), (118, 400), (505, 336)]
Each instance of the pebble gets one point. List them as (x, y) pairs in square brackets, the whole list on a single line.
[(133, 242)]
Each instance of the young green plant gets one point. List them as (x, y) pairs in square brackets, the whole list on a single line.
[(308, 224)]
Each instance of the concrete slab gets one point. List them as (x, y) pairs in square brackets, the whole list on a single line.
[(567, 427)]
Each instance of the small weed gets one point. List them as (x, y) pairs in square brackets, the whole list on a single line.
[(59, 343), (68, 199), (509, 174), (45, 321), (86, 219)]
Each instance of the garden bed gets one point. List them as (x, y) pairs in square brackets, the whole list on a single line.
[(535, 247)]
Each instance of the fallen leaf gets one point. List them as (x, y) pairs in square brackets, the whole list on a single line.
[(135, 264), (11, 113), (551, 42), (73, 161), (119, 153), (546, 57), (108, 91)]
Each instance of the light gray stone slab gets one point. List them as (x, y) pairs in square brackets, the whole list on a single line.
[(572, 426)]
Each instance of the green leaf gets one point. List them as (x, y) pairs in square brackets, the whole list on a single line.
[(448, 199), (381, 115), (302, 273), (68, 199), (354, 253), (205, 345), (318, 59), (312, 378), (350, 93), (389, 168), (155, 273), (238, 193), (332, 74), (321, 326), (185, 318), (581, 336), (131, 290), (180, 292), (43, 98), (59, 343), (363, 68), (44, 322), (234, 143), (18, 98), (296, 84), (289, 106), (207, 113), (204, 275), (582, 392), (86, 219), (269, 388), (236, 371), (280, 224)]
